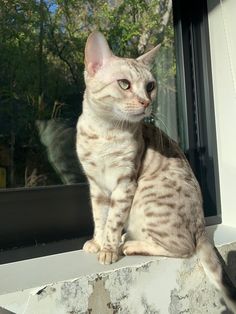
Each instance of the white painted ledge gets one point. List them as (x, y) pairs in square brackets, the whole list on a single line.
[(45, 270), (75, 281)]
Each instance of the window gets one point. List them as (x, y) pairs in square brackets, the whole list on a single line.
[(43, 192), (196, 98)]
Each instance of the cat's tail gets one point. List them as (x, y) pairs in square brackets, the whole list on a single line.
[(215, 272)]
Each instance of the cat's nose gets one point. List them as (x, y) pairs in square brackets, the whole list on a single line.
[(144, 103)]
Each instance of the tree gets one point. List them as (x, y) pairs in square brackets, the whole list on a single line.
[(41, 61)]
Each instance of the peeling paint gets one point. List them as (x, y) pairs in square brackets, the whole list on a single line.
[(45, 292), (101, 304), (174, 286), (148, 308), (75, 295)]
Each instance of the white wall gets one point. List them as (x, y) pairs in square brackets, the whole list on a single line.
[(222, 28)]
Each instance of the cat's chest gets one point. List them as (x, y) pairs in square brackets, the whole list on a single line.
[(109, 154), (108, 158)]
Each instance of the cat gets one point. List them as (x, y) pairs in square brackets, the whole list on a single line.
[(137, 175), (58, 136)]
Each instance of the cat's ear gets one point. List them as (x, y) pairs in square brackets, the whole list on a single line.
[(149, 57), (97, 52)]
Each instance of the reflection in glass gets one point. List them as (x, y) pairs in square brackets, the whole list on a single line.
[(58, 137), (41, 82)]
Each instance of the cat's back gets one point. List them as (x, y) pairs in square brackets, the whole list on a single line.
[(161, 152), (167, 204), (160, 142), (165, 164)]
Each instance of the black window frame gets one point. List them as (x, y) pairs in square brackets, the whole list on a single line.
[(29, 217), (195, 92)]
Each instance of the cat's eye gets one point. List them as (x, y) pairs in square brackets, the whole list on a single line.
[(124, 84), (150, 86)]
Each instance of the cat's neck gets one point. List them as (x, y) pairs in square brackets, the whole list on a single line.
[(104, 125)]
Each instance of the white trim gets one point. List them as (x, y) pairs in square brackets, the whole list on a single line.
[(222, 25), (42, 271)]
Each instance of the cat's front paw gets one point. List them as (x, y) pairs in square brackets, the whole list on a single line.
[(107, 257), (91, 246)]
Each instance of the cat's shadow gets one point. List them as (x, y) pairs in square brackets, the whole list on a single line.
[(230, 270), (231, 264)]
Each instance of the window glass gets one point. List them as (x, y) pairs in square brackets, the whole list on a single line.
[(41, 82)]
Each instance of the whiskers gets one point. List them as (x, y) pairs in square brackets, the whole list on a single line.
[(121, 123), (158, 119)]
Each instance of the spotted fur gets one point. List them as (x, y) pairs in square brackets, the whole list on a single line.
[(138, 176)]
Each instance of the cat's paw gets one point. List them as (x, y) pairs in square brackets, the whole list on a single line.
[(128, 249), (107, 257), (136, 248), (91, 246)]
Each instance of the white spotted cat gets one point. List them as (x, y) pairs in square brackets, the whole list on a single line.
[(137, 175)]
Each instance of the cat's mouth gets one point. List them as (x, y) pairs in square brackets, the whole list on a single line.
[(140, 112)]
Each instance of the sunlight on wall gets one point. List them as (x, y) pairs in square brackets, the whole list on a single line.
[(222, 26)]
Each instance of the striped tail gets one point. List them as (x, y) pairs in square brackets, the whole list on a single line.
[(215, 272)]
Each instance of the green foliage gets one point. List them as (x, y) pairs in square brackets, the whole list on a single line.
[(61, 27), (42, 51)]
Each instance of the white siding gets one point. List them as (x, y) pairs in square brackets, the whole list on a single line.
[(222, 27)]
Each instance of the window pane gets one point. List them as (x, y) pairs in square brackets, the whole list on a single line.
[(41, 83)]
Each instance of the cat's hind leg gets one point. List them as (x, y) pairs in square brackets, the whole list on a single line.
[(133, 247)]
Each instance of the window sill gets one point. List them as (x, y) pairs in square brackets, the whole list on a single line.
[(53, 283), (45, 270)]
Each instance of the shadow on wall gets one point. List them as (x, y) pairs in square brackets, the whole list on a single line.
[(229, 274), (228, 265), (4, 311), (211, 4), (231, 264)]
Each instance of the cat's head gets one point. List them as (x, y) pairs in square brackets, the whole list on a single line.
[(119, 88)]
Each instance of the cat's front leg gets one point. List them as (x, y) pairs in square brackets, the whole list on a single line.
[(121, 200), (100, 206)]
